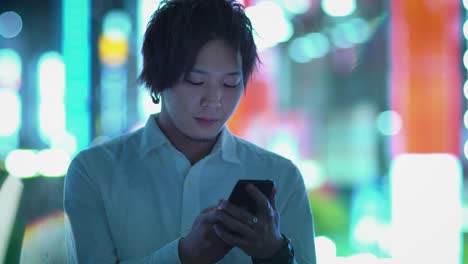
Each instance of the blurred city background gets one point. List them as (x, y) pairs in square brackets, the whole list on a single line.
[(367, 97)]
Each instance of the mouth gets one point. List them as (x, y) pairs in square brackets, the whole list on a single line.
[(206, 122)]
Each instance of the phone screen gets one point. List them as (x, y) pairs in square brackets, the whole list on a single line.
[(240, 197)]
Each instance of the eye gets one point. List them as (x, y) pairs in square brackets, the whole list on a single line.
[(193, 82), (232, 82), (194, 79), (231, 86)]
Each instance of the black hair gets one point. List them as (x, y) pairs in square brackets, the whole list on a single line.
[(177, 31)]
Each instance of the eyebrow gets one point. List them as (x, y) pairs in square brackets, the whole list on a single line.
[(195, 70)]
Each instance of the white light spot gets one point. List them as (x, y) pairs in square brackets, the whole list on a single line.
[(269, 32), (53, 162), (10, 112), (326, 249), (10, 69), (22, 163), (338, 8), (297, 6)]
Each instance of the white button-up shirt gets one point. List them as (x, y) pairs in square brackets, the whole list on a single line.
[(131, 199)]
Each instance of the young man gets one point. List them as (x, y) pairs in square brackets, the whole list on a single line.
[(157, 195)]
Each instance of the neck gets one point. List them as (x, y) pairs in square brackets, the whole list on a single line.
[(193, 149)]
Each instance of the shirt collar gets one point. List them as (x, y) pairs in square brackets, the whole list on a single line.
[(227, 145), (153, 138)]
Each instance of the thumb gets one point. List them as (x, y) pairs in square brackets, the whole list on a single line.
[(211, 207), (209, 217), (272, 198)]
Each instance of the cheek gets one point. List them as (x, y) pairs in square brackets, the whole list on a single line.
[(185, 101), (232, 98)]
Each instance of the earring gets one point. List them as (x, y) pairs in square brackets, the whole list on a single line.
[(156, 98)]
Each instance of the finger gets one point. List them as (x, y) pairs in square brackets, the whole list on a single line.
[(209, 217), (234, 225), (272, 198), (263, 205), (235, 211), (206, 210), (224, 234), (211, 207)]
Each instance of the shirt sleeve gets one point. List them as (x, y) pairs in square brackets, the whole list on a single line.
[(296, 219), (88, 236), (168, 254)]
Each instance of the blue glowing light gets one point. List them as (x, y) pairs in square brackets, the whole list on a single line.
[(76, 54)]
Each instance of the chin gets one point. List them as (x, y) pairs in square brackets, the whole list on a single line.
[(205, 132), (203, 135), (202, 138)]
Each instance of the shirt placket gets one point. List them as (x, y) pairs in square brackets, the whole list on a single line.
[(190, 199)]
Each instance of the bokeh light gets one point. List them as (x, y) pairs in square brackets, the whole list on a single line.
[(356, 30), (339, 36), (22, 163), (465, 149), (10, 112), (298, 49), (51, 82), (113, 50), (76, 46), (465, 89), (116, 24), (363, 258), (65, 141), (389, 123), (285, 144), (10, 69), (465, 119), (296, 6), (11, 24), (53, 162), (338, 8), (368, 230), (306, 48), (325, 249), (113, 43), (312, 173), (413, 218), (51, 75), (465, 59), (465, 29), (268, 31)]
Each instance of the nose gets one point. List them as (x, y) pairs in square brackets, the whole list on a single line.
[(212, 97)]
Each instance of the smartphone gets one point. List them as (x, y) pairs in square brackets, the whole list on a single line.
[(241, 197)]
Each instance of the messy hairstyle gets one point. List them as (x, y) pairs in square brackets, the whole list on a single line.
[(177, 31)]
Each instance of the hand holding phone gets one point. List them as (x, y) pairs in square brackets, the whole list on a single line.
[(241, 197)]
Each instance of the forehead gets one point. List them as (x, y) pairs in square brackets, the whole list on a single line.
[(218, 57)]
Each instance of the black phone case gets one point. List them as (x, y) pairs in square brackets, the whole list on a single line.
[(240, 197)]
